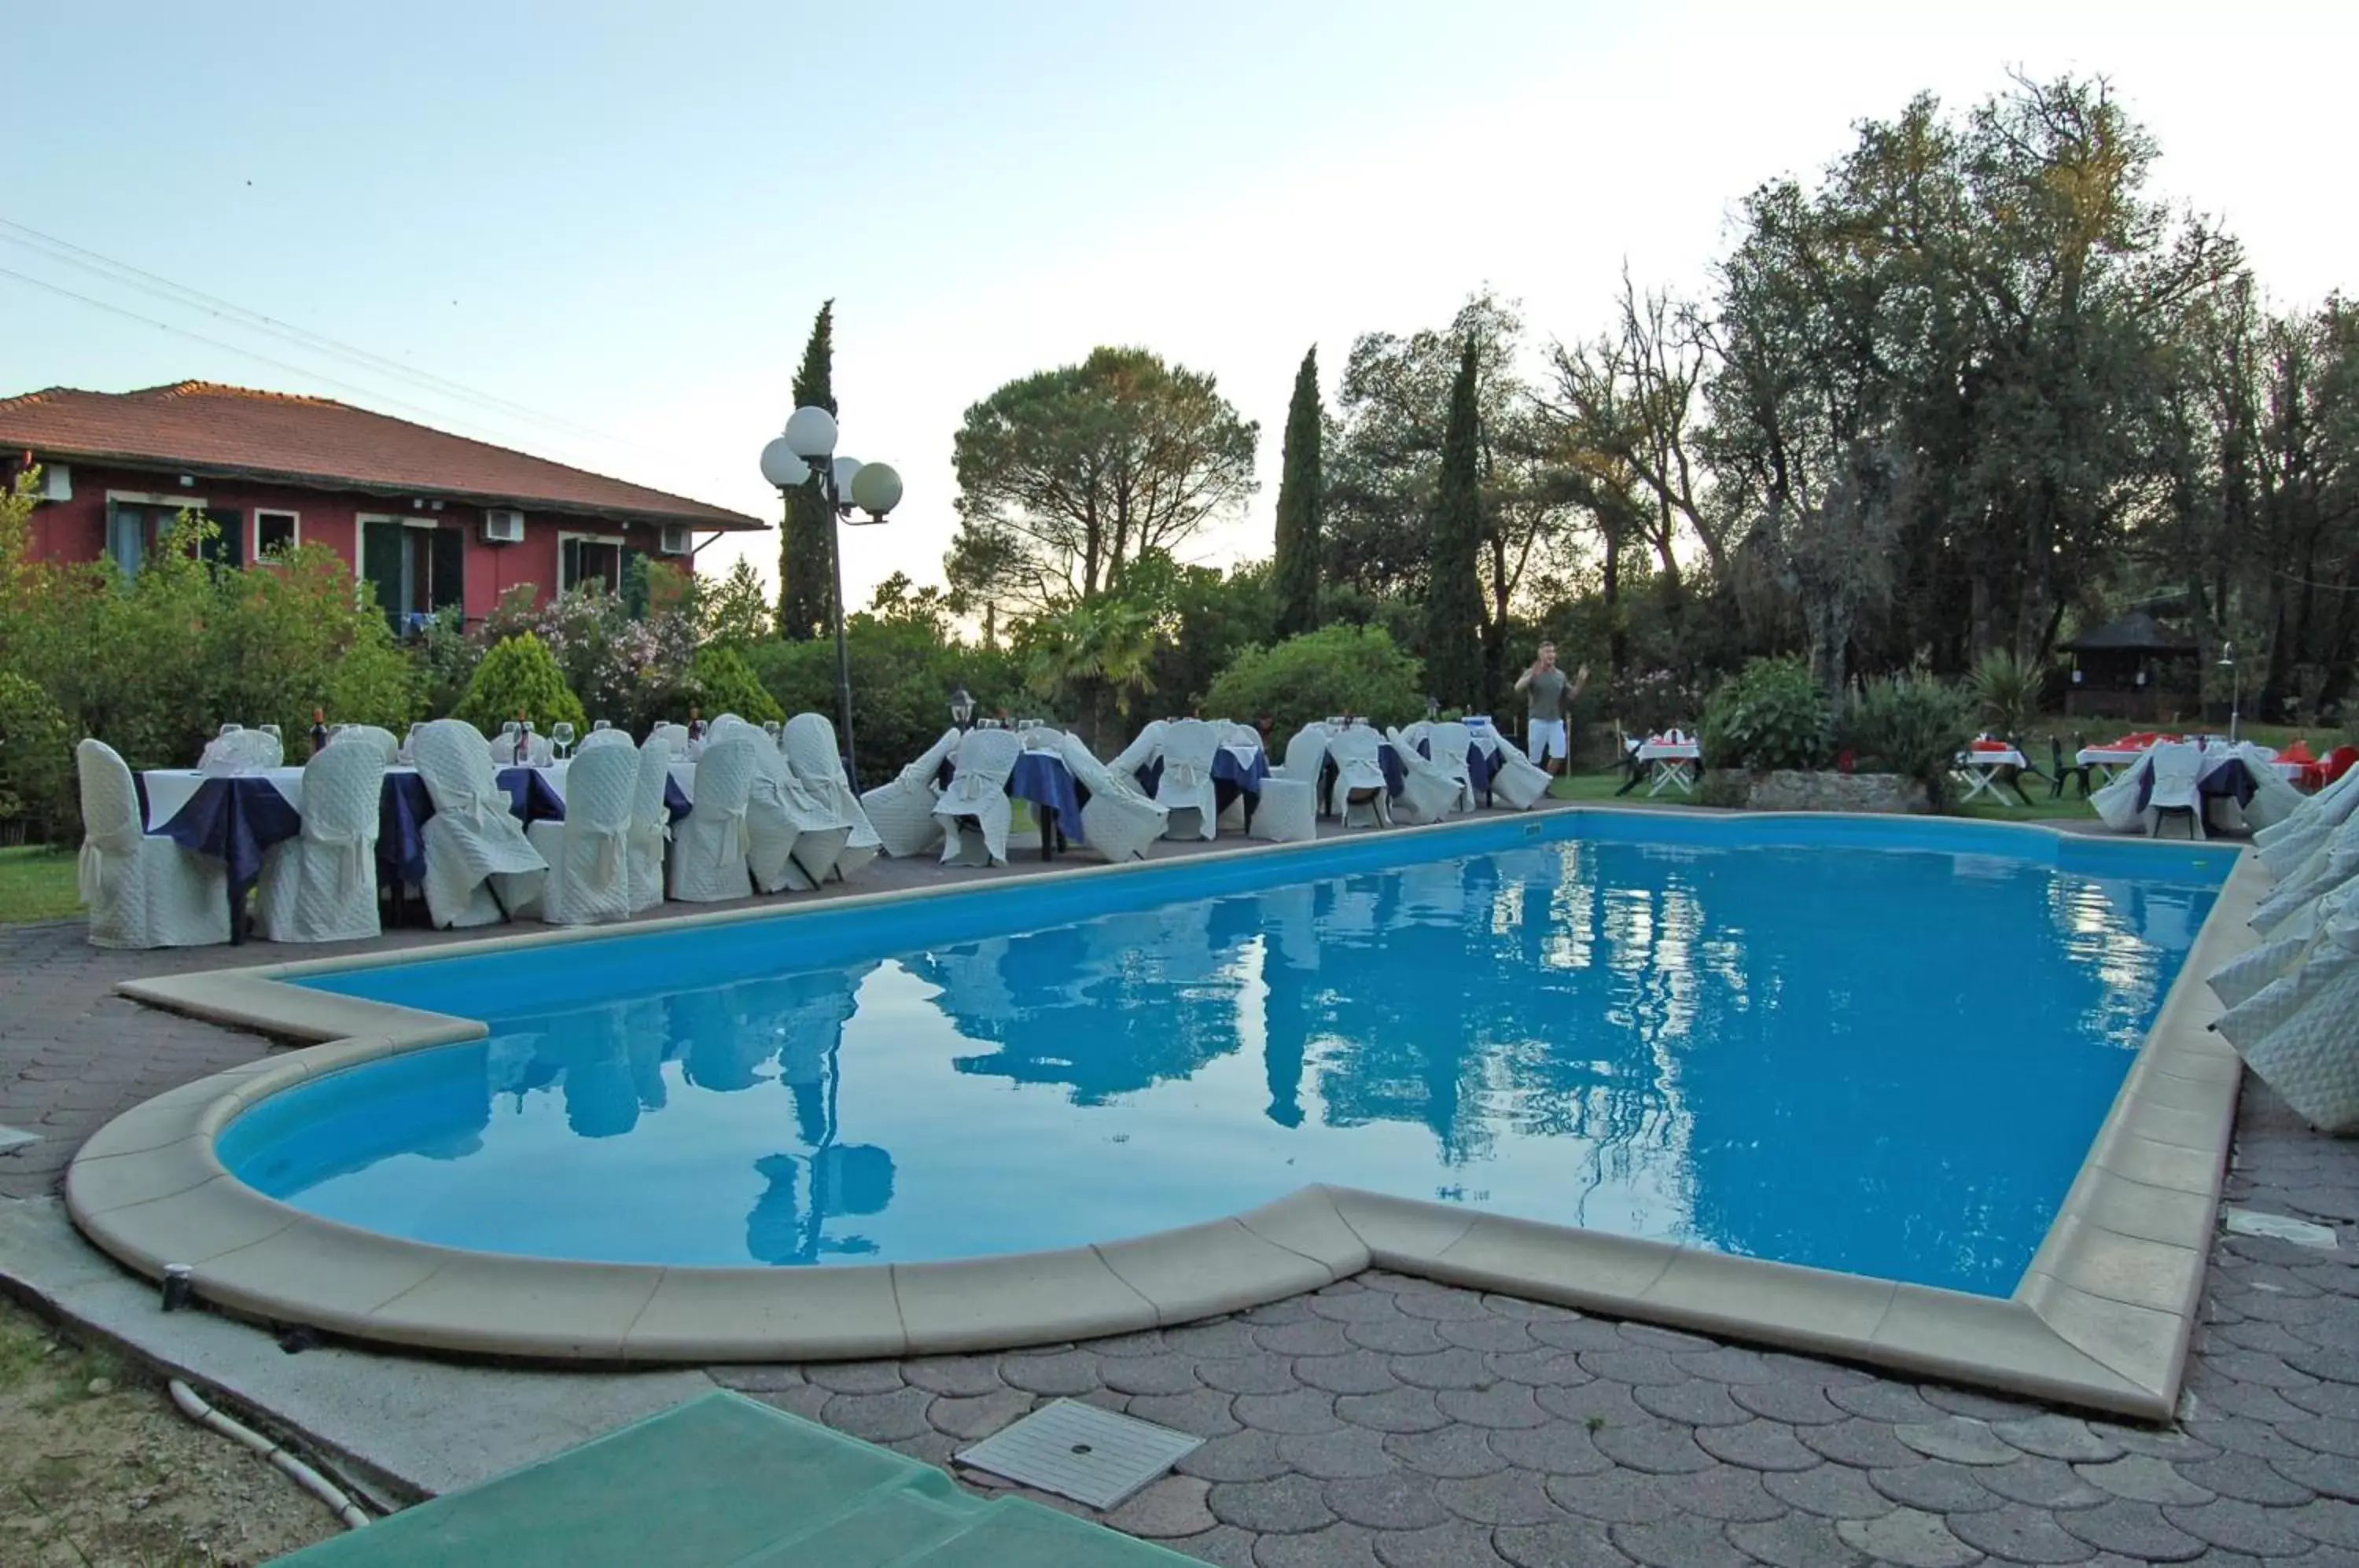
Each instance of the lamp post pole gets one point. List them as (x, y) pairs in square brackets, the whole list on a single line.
[(2235, 687), (805, 453)]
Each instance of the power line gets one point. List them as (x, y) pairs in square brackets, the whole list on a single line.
[(160, 287)]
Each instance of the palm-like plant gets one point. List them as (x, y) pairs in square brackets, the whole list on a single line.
[(1091, 652), (2005, 693)]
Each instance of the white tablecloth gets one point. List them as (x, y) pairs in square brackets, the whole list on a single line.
[(2007, 758), (168, 788)]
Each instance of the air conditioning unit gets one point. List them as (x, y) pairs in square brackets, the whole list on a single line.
[(674, 540), (57, 482), (503, 525)]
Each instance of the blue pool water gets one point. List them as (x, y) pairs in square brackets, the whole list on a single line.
[(1879, 1048)]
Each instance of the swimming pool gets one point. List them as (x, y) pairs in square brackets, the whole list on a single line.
[(1881, 1048)]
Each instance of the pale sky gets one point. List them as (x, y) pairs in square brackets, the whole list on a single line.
[(622, 218)]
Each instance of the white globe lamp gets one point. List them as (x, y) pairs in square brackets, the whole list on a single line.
[(810, 433), (782, 467), (877, 488)]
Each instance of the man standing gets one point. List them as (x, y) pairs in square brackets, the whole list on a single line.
[(1546, 739)]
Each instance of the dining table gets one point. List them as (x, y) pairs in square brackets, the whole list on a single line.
[(238, 818)]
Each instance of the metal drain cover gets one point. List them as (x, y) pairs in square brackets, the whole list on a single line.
[(1080, 1451)]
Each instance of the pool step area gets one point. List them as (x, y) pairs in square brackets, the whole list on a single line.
[(724, 1481)]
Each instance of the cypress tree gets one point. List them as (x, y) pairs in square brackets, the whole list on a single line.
[(1298, 505), (1453, 589), (805, 582)]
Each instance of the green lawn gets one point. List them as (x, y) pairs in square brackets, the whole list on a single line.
[(36, 883)]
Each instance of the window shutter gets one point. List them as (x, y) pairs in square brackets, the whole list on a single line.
[(449, 570), (381, 567)]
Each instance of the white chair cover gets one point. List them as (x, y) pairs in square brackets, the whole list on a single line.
[(797, 839), (1187, 747), (588, 852), (818, 764), (321, 885), (140, 889), (608, 736), (1306, 755), (1360, 798), (2175, 768), (2330, 867), (2116, 803), (1141, 749), (1449, 742), (2274, 800), (1287, 811), (478, 862), (2296, 839), (1428, 794), (2300, 1032), (670, 737), (978, 794), (1119, 822), (903, 811), (243, 751), (651, 821), (367, 734), (709, 850), (1516, 780)]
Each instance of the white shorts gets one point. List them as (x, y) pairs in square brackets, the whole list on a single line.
[(1544, 738)]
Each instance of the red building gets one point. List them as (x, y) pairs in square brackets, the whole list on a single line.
[(431, 520)]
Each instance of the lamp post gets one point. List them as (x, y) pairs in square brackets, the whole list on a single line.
[(2236, 686), (803, 454)]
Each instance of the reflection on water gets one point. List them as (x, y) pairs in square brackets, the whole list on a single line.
[(1890, 1062)]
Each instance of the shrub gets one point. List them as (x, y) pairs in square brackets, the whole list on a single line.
[(1774, 715), (1910, 725), (37, 786), (2005, 693), (1335, 669), (518, 678), (725, 683), (629, 671)]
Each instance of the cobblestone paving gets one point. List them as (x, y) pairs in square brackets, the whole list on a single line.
[(1389, 1420)]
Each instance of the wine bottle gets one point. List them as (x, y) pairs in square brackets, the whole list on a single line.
[(319, 730)]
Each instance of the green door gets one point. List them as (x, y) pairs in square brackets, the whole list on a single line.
[(381, 567)]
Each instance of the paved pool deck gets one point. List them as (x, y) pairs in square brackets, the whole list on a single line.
[(1382, 1418)]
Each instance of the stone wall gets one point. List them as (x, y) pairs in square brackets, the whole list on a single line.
[(1785, 791)]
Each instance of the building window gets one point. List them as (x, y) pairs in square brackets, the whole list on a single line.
[(276, 533), (589, 562), (415, 569), (133, 530)]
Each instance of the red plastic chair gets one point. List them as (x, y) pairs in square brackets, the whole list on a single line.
[(2339, 762)]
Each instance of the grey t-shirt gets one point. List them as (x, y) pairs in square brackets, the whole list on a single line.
[(1547, 696)]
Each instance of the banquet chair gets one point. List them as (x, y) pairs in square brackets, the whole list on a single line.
[(643, 872), (321, 885), (2274, 800), (974, 811), (2176, 770), (479, 865), (243, 751), (671, 737), (1142, 748), (1449, 741), (1288, 810), (372, 735), (142, 889), (1119, 822), (1428, 793), (537, 749), (795, 838), (1359, 796), (709, 851), (1516, 779), (2066, 769), (607, 737), (588, 852), (903, 811), (812, 754), (1187, 747)]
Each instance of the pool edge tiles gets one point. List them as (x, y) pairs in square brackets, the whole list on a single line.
[(2100, 1320)]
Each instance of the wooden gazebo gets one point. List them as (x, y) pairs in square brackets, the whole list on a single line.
[(2134, 668)]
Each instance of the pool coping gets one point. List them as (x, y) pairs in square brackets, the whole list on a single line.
[(2101, 1318)]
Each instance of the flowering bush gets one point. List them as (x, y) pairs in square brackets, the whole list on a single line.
[(629, 671)]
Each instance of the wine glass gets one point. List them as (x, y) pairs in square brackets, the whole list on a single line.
[(560, 736)]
